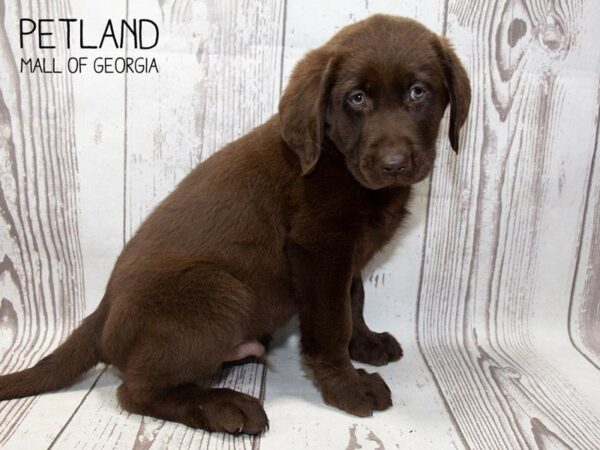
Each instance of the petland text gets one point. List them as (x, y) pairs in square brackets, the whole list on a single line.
[(50, 34)]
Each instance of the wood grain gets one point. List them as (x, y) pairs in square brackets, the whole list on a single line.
[(500, 249), (219, 78), (58, 223), (100, 131), (584, 313), (41, 270), (102, 424), (492, 287)]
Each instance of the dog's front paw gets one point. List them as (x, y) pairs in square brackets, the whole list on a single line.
[(376, 349), (359, 394)]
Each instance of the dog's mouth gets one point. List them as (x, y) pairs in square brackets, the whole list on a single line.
[(401, 179)]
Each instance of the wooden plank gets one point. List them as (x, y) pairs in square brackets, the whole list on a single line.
[(584, 312), (100, 131), (418, 419), (102, 424), (502, 231), (510, 237), (218, 78), (61, 182), (41, 268)]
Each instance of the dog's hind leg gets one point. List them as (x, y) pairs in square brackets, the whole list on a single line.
[(184, 336), (189, 322), (211, 409), (160, 377)]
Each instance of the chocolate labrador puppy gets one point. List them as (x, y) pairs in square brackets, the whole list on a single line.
[(279, 222)]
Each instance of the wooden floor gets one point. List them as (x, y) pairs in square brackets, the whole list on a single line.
[(551, 400), (493, 287), (542, 395)]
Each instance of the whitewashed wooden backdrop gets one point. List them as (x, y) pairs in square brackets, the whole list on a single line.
[(493, 287)]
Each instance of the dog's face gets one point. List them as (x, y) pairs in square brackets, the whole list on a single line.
[(377, 91)]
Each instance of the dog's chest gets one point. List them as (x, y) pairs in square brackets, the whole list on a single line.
[(382, 215)]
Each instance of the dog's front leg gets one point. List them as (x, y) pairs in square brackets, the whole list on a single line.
[(367, 346), (322, 279)]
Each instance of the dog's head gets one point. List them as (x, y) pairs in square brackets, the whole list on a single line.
[(377, 90)]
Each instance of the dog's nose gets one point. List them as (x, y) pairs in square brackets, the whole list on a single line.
[(396, 163)]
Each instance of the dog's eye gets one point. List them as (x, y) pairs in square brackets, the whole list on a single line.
[(417, 93), (357, 98)]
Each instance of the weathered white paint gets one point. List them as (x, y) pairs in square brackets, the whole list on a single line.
[(492, 287), (41, 259), (503, 228)]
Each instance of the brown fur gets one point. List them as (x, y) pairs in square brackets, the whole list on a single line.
[(277, 223)]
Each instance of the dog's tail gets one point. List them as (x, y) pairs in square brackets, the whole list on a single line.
[(62, 367)]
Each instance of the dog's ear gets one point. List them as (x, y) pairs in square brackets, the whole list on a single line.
[(459, 91), (303, 104)]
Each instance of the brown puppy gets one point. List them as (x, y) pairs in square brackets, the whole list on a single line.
[(279, 222)]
